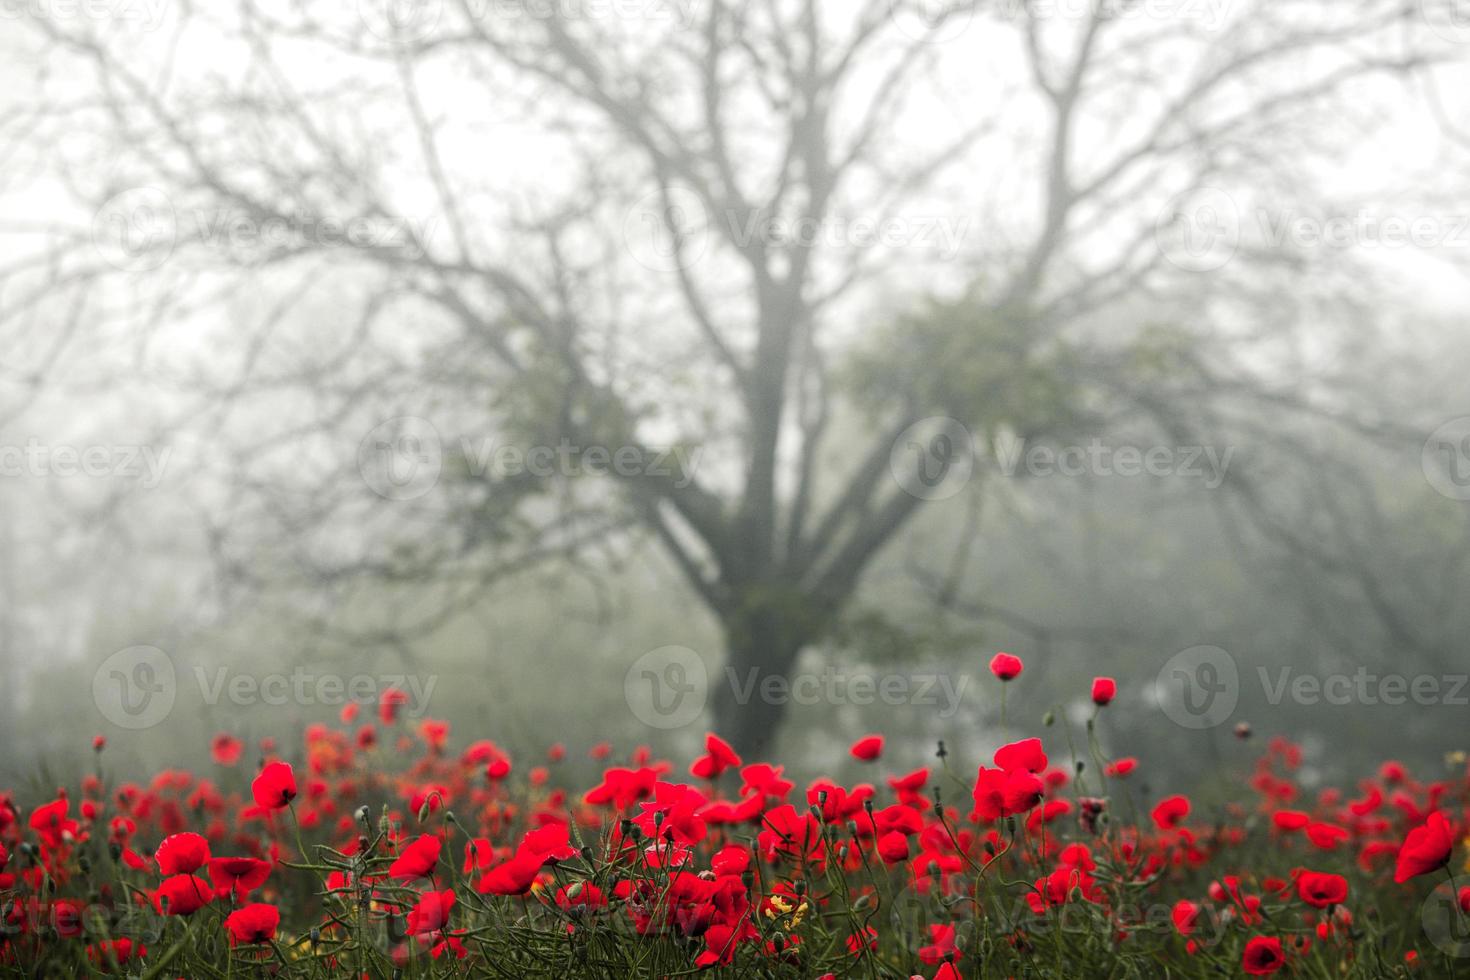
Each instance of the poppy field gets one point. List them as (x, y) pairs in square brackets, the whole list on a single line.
[(388, 848)]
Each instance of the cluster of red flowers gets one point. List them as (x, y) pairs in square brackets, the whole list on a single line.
[(732, 863)]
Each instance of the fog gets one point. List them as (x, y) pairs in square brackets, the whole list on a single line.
[(626, 371)]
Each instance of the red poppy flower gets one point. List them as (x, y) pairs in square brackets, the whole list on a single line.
[(431, 914), (388, 704), (867, 748), (1006, 667), (253, 924), (1426, 849), (1003, 793), (226, 749), (1168, 814), (1320, 890), (181, 854), (275, 786), (115, 952), (237, 877), (859, 942), (719, 756), (1025, 754), (1104, 689), (1262, 955), (418, 859), (1184, 915), (893, 847), (182, 895), (941, 945)]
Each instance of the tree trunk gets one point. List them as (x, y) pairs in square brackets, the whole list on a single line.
[(752, 689)]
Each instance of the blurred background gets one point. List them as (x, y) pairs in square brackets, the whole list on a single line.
[(599, 370)]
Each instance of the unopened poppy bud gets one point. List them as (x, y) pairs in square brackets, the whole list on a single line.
[(658, 818), (1080, 766), (573, 890), (424, 812), (799, 888), (863, 901), (315, 936), (587, 854), (362, 814), (1049, 719), (747, 878)]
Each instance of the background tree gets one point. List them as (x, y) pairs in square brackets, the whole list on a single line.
[(289, 215)]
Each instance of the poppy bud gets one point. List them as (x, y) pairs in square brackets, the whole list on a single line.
[(1049, 719)]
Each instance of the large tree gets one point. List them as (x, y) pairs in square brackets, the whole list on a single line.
[(781, 232)]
